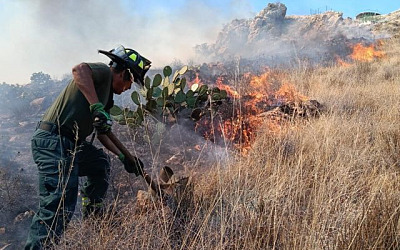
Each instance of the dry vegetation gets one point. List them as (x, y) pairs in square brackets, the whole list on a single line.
[(326, 183)]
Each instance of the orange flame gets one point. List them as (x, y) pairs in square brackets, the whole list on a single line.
[(240, 129), (261, 82), (227, 88), (342, 62), (362, 53), (288, 92), (365, 53), (197, 80)]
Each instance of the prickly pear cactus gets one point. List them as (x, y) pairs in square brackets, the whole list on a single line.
[(164, 97)]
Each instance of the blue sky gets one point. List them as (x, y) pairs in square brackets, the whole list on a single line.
[(52, 36), (349, 8)]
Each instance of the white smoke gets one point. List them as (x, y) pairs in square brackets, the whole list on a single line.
[(274, 39), (53, 36)]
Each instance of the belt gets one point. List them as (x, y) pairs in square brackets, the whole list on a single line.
[(53, 128)]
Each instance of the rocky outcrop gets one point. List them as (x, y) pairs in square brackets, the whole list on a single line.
[(388, 24), (268, 21), (278, 38)]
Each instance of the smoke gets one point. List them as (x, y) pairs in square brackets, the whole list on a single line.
[(53, 36), (273, 39)]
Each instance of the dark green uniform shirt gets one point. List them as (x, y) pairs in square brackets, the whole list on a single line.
[(71, 106)]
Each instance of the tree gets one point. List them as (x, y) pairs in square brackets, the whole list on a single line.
[(40, 78)]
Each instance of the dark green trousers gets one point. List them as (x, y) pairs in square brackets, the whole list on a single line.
[(60, 163)]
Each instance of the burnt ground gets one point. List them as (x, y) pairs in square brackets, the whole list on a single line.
[(17, 179), (179, 147)]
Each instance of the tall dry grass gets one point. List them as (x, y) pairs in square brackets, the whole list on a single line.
[(326, 183)]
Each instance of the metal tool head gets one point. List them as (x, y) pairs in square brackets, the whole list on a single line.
[(165, 174)]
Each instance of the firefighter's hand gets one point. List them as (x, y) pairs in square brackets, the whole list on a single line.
[(132, 166), (101, 119)]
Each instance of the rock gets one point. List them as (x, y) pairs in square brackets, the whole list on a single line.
[(37, 102), (176, 159), (177, 197), (144, 201), (268, 21), (13, 138), (23, 124), (23, 216), (274, 11)]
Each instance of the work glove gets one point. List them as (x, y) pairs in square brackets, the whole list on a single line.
[(101, 119), (132, 166)]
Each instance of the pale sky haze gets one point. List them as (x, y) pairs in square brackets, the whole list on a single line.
[(52, 36)]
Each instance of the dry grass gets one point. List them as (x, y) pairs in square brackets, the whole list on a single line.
[(326, 183)]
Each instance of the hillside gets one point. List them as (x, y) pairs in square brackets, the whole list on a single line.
[(273, 38), (389, 24)]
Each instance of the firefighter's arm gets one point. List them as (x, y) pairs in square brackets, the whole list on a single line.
[(105, 140), (131, 163), (83, 79)]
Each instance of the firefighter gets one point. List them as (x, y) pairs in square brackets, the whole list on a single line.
[(60, 149)]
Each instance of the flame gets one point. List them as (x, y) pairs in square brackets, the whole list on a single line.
[(362, 53), (366, 53), (196, 80), (342, 62), (239, 127), (288, 92), (227, 88), (261, 82)]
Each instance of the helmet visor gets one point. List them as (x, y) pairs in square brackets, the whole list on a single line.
[(119, 51)]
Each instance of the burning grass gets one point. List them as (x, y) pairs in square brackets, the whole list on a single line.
[(267, 100), (326, 183), (366, 53), (363, 53)]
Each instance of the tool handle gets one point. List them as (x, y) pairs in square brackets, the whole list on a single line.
[(153, 185)]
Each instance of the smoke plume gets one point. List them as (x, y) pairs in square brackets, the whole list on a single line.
[(274, 39), (53, 36)]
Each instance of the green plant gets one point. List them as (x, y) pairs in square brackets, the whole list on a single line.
[(163, 98)]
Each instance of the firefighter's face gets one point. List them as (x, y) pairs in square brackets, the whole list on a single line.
[(122, 81)]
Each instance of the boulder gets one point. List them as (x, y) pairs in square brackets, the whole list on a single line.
[(37, 103)]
